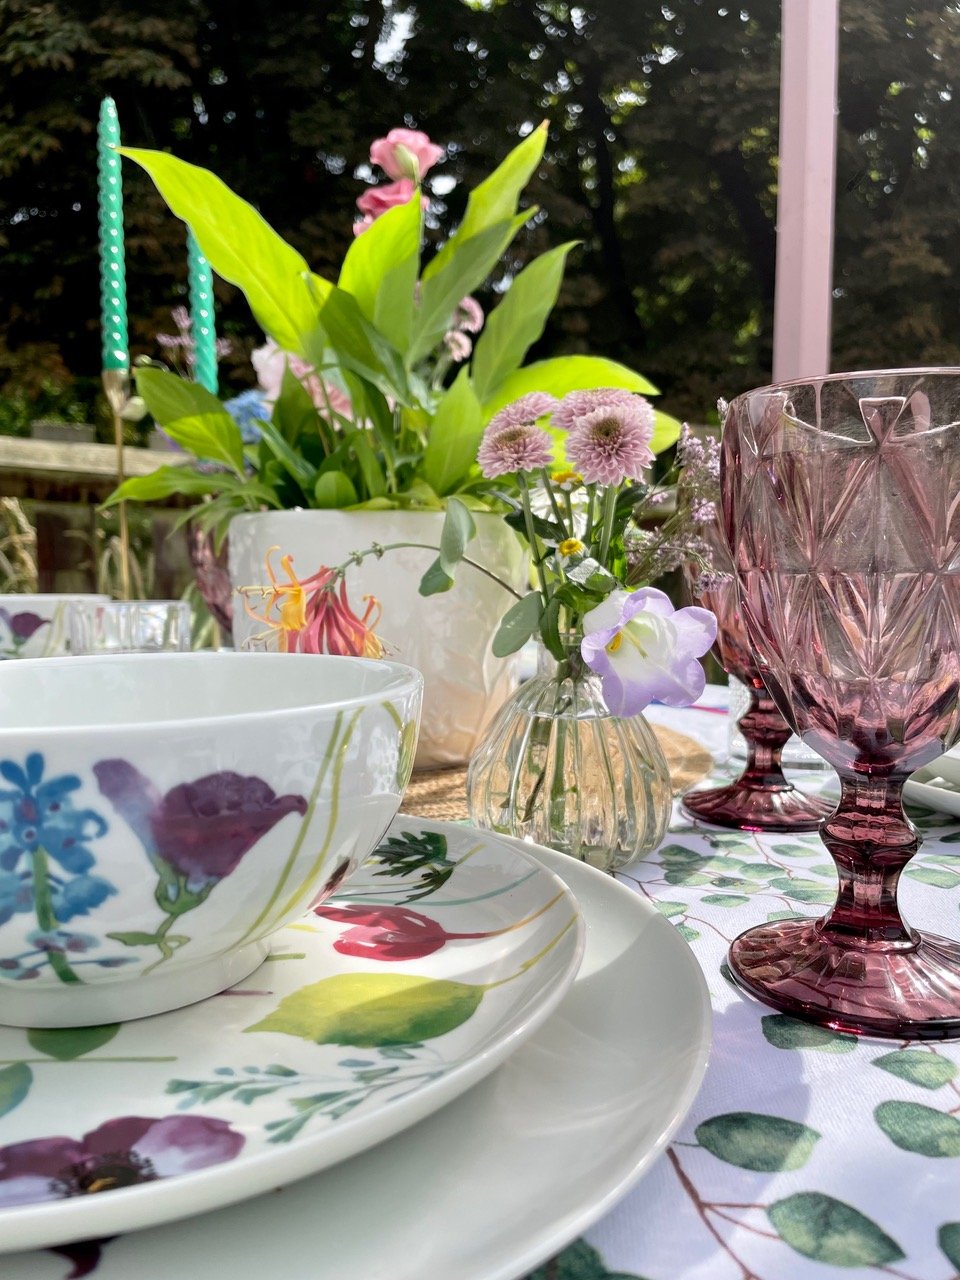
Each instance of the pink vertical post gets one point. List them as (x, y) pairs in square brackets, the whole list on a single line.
[(805, 200)]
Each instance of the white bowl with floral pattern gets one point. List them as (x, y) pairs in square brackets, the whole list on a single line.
[(34, 625), (162, 815)]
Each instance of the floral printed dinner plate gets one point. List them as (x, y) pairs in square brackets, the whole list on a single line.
[(503, 1177), (448, 949)]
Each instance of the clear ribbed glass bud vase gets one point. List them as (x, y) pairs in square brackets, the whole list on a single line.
[(557, 768)]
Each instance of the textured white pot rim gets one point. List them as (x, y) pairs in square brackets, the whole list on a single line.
[(403, 682)]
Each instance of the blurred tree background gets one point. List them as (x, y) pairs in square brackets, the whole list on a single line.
[(662, 161)]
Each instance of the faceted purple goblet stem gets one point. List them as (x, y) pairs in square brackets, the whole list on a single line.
[(761, 799), (860, 968), (871, 840)]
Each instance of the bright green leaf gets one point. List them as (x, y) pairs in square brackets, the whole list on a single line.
[(928, 1070), (166, 481), (724, 900), (459, 267), (381, 268), (290, 458), (563, 374), (784, 1032), (191, 416), (453, 438), (913, 1127), (519, 320), (334, 489), (368, 462), (68, 1043), (765, 1144), (496, 198), (294, 413), (15, 1082), (360, 346), (829, 1231), (550, 628), (517, 625), (688, 934), (239, 245), (371, 1010)]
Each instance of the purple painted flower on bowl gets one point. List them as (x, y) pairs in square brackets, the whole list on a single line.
[(118, 1153), (642, 648), (202, 829), (22, 625)]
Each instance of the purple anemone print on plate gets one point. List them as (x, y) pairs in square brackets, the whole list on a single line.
[(195, 835), (119, 1153)]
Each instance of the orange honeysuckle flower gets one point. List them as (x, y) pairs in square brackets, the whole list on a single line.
[(312, 616)]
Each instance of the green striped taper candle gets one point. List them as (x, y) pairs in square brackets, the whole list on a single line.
[(203, 326), (113, 282), (115, 361)]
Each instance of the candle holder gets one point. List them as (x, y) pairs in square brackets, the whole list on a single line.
[(130, 626)]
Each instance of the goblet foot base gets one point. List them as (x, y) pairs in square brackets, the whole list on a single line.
[(893, 991), (750, 808)]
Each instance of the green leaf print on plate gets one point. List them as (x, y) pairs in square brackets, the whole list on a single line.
[(765, 1144), (370, 1010), (913, 1127), (724, 900), (68, 1043), (669, 909), (948, 1238), (830, 1231), (15, 1082), (784, 1032), (579, 1261), (928, 1070)]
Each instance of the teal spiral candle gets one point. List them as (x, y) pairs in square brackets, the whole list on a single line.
[(113, 281), (203, 327)]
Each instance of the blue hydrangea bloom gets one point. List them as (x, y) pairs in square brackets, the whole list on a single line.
[(248, 410)]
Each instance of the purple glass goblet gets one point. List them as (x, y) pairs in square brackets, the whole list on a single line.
[(841, 503), (761, 799)]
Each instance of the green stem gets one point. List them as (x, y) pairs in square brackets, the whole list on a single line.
[(379, 549), (567, 533), (302, 833), (588, 531), (531, 535), (160, 941), (43, 901), (609, 513)]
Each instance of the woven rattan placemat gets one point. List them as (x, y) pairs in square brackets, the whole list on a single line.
[(441, 793)]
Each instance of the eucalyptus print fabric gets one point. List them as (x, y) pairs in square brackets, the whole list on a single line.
[(808, 1154)]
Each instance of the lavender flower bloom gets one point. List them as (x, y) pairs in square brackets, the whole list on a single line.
[(119, 1153), (643, 648), (523, 412), (611, 443), (513, 448), (199, 829)]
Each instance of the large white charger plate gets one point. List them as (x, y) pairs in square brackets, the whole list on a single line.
[(449, 948), (508, 1174)]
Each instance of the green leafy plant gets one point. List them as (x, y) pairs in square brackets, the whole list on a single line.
[(383, 400)]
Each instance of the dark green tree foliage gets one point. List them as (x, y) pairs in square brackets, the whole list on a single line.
[(662, 159)]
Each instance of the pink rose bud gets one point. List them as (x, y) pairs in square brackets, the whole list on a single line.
[(405, 153)]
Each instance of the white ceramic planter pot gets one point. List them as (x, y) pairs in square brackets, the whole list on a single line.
[(448, 637)]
